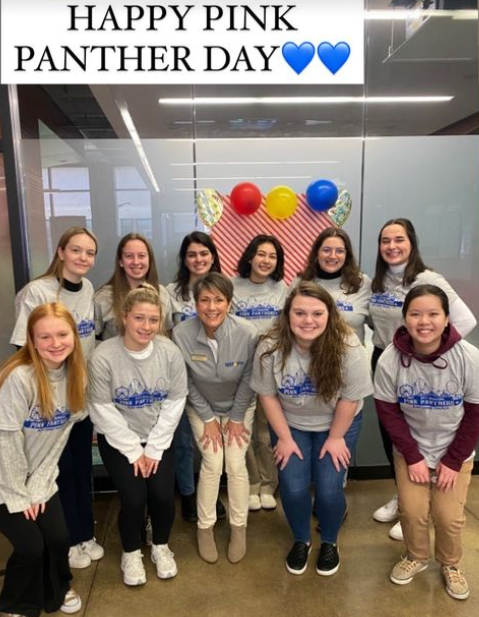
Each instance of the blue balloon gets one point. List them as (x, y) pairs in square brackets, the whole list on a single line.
[(321, 195)]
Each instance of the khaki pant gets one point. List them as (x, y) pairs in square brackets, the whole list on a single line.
[(420, 502), (234, 459), (262, 471)]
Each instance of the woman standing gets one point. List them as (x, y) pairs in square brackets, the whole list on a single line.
[(42, 393), (197, 256), (399, 268), (218, 349), (134, 265), (65, 282), (427, 398), (137, 392), (259, 295), (332, 264), (311, 374)]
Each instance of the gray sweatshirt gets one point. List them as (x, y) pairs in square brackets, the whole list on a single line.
[(218, 386), (296, 392), (44, 290), (30, 446), (259, 303), (181, 309), (134, 401), (105, 321)]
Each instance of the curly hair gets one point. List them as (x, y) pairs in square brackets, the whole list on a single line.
[(327, 351)]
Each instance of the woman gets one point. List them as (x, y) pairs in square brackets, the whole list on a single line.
[(65, 282), (42, 393), (427, 398), (197, 256), (134, 265), (311, 374), (399, 267), (218, 350), (259, 296), (332, 264), (137, 392)]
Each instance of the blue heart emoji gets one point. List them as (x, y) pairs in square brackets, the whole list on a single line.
[(298, 58), (334, 57)]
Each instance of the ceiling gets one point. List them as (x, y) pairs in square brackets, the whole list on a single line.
[(440, 58)]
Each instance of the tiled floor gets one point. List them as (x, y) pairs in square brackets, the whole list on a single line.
[(261, 586)]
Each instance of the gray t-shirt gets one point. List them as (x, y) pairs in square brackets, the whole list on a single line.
[(296, 392), (105, 321), (431, 398), (181, 310), (44, 290), (385, 308), (259, 303), (127, 395), (30, 445), (218, 385)]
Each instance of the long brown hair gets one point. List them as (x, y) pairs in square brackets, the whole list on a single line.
[(119, 282), (414, 266), (28, 355), (351, 277), (55, 269), (182, 278), (327, 351)]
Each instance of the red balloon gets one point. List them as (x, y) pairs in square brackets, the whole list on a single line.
[(245, 198)]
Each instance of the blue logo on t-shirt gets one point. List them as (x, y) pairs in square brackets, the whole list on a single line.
[(386, 300), (297, 385), (187, 312), (37, 422), (255, 310), (342, 305), (137, 395), (85, 328), (420, 394)]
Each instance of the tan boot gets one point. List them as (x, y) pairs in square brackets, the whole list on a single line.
[(237, 545), (207, 545)]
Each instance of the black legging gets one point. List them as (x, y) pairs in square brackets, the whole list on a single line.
[(37, 575), (387, 442), (156, 493)]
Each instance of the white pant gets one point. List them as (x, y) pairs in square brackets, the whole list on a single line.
[(234, 458)]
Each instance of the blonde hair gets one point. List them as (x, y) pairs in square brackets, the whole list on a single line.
[(55, 269), (28, 355), (143, 293)]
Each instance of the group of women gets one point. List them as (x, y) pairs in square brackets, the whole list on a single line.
[(269, 382)]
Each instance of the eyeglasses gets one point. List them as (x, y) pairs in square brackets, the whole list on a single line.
[(327, 250)]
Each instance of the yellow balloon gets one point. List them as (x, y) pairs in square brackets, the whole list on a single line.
[(281, 202)]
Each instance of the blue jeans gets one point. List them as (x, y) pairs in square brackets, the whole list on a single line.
[(184, 457), (295, 481)]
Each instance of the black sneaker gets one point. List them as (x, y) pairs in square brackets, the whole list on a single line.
[(328, 559), (220, 510), (297, 559), (188, 508)]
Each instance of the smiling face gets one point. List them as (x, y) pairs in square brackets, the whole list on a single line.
[(395, 246), (425, 321), (332, 255), (142, 324), (54, 341), (135, 261), (212, 308), (308, 319), (77, 257), (198, 260), (263, 263)]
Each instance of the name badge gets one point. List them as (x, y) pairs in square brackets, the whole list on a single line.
[(198, 357)]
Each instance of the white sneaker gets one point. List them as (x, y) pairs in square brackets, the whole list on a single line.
[(163, 558), (387, 513), (133, 568), (254, 503), (268, 502), (395, 533), (71, 602), (78, 558), (148, 532), (93, 549)]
